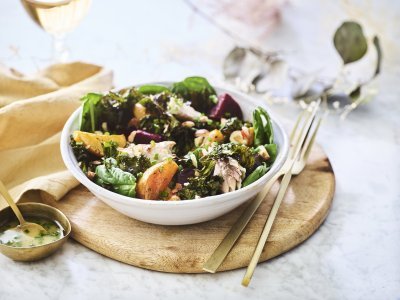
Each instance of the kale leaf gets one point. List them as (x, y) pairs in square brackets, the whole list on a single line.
[(241, 153), (198, 91), (201, 186), (184, 139), (110, 149), (83, 156), (231, 125), (110, 112), (134, 165)]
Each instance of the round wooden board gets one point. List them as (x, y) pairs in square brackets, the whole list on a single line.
[(184, 249)]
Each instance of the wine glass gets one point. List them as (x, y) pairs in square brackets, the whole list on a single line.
[(57, 17)]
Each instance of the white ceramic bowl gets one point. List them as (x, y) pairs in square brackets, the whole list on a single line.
[(185, 211)]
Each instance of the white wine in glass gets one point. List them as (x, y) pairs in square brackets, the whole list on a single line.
[(57, 17)]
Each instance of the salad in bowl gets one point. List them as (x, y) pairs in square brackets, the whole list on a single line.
[(178, 143), (185, 144)]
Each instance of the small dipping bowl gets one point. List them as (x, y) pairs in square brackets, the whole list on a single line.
[(40, 210)]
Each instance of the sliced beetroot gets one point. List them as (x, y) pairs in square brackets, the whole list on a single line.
[(144, 137), (184, 174), (226, 107)]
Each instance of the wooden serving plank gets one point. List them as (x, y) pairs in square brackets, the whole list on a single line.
[(184, 249)]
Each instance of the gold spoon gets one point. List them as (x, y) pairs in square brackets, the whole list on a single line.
[(29, 228)]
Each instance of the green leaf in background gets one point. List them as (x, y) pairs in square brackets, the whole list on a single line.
[(90, 112), (263, 133), (350, 42), (379, 55), (151, 89), (198, 91)]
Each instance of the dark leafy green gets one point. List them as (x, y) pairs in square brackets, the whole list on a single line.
[(272, 150), (161, 124), (209, 124), (198, 91), (263, 133), (83, 156), (230, 126), (110, 149), (110, 112), (112, 177), (201, 186), (152, 89), (91, 111), (241, 153), (184, 139), (256, 174), (134, 165), (116, 111)]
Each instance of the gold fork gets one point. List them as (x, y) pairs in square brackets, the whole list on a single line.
[(306, 119)]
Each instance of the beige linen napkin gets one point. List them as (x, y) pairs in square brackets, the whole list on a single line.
[(33, 110)]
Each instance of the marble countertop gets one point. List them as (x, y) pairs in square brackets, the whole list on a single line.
[(355, 253)]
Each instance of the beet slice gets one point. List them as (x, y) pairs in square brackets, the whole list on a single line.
[(184, 174), (226, 107), (144, 137)]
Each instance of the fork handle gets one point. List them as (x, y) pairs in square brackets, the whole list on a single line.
[(227, 243), (267, 228)]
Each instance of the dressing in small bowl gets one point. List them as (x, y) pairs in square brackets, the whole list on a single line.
[(11, 234), (22, 245)]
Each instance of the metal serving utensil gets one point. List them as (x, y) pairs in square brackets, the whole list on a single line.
[(301, 141)]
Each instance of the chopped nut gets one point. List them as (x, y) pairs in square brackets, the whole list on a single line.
[(263, 152), (201, 132), (236, 137), (104, 126), (223, 121), (139, 111), (199, 141), (174, 198), (131, 137), (203, 119), (91, 175), (244, 136), (189, 124)]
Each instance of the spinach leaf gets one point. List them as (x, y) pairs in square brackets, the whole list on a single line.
[(111, 177), (263, 133), (198, 91), (150, 89), (272, 150), (256, 174), (91, 111)]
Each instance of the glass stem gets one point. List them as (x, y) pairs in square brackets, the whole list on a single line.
[(60, 51)]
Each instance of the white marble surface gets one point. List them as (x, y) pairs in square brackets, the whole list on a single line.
[(354, 255)]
